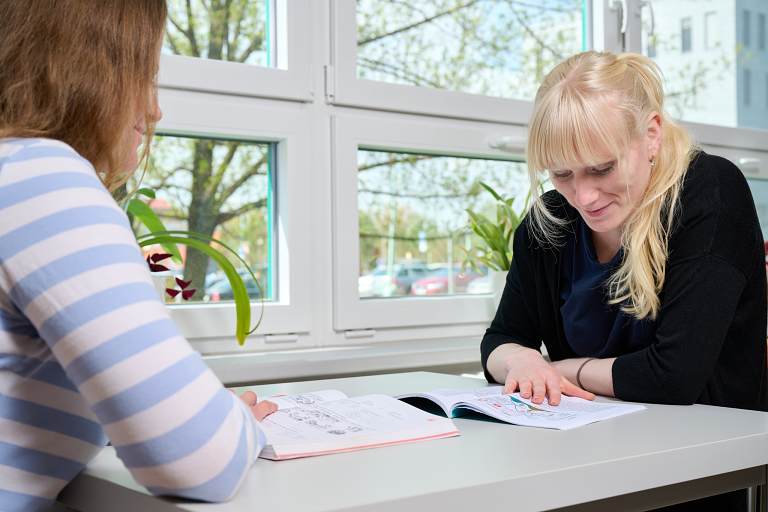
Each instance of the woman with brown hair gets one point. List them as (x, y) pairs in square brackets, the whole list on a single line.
[(88, 352), (642, 272)]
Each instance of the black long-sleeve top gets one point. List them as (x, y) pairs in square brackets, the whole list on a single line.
[(709, 345)]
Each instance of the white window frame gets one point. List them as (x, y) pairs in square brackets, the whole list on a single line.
[(345, 89), (205, 115), (291, 80), (389, 132)]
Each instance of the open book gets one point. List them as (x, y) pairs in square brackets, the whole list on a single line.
[(325, 422), (570, 413)]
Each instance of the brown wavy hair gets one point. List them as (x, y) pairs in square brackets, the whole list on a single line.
[(78, 71)]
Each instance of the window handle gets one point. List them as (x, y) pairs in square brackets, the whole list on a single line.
[(649, 5), (621, 7)]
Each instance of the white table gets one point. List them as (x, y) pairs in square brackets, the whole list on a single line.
[(660, 456)]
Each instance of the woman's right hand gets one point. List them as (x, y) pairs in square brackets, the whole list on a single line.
[(528, 371)]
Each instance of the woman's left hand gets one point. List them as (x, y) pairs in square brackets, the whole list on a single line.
[(260, 410)]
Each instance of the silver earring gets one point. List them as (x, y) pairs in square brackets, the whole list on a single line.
[(653, 162)]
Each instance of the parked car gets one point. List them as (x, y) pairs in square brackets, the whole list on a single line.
[(394, 282), (482, 284), (222, 290), (438, 281)]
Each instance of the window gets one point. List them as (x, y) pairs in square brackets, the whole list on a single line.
[(685, 35), (368, 125), (257, 48), (402, 187), (237, 169), (414, 239), (196, 29), (746, 28), (450, 57), (651, 47), (761, 31), (704, 84), (747, 87), (222, 189), (711, 32), (494, 49)]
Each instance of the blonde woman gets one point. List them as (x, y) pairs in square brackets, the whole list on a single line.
[(643, 271), (88, 353)]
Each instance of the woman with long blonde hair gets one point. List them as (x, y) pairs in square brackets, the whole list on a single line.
[(643, 271), (88, 352)]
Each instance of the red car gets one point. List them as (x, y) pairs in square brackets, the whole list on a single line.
[(437, 282)]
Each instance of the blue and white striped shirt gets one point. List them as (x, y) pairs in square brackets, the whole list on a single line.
[(88, 351)]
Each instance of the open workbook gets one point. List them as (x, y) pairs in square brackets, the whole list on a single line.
[(570, 413), (324, 422)]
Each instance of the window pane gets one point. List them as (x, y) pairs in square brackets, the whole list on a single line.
[(237, 31), (704, 48), (685, 39), (221, 189), (747, 96), (746, 28), (494, 48), (414, 239)]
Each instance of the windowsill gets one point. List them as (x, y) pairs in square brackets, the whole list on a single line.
[(326, 362)]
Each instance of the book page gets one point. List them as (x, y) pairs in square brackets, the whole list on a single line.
[(570, 413), (448, 398), (288, 401), (350, 423)]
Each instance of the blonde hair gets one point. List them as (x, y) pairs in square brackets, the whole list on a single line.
[(78, 71), (569, 126)]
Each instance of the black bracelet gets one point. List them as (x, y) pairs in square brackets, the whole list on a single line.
[(578, 373)]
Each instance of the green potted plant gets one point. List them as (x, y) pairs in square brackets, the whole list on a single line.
[(218, 251), (497, 235)]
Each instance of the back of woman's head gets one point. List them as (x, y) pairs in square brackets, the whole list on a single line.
[(589, 109), (79, 71)]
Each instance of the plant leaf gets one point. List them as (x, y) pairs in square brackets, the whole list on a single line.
[(147, 192), (145, 214), (239, 291)]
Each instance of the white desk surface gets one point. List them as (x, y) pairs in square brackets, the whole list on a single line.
[(491, 466)]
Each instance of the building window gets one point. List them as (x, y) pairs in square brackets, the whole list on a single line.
[(711, 34), (761, 31), (651, 49), (766, 90), (747, 87), (746, 36), (685, 35)]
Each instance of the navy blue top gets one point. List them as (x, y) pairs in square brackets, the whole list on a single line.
[(593, 328)]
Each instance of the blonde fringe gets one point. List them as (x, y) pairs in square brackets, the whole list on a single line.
[(557, 135)]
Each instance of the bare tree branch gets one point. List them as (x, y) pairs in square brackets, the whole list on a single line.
[(412, 78), (225, 216), (172, 42), (220, 171), (190, 33), (530, 32), (414, 196), (411, 26), (394, 161), (255, 170), (255, 43)]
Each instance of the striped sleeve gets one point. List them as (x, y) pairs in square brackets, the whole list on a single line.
[(71, 266)]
